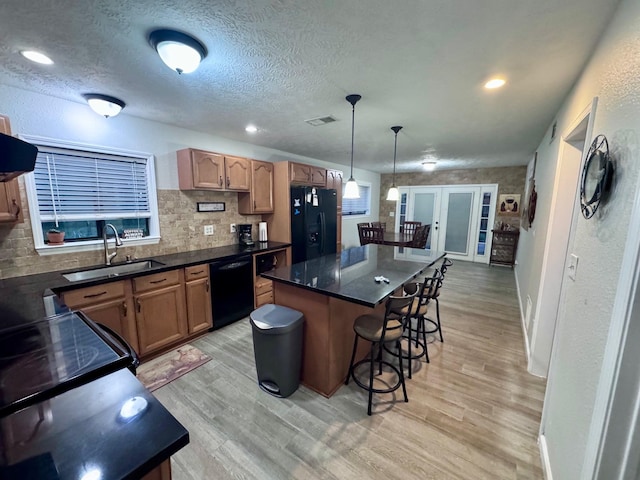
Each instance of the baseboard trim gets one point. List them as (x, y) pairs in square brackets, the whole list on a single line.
[(522, 324), (544, 457)]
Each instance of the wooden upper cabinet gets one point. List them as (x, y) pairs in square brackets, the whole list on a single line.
[(201, 170), (334, 180), (238, 171), (260, 198), (10, 204), (301, 174), (318, 177)]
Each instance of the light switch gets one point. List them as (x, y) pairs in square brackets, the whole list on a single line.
[(573, 266)]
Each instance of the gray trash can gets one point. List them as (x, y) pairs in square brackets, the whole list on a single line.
[(277, 344)]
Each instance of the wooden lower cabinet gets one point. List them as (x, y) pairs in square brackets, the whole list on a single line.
[(110, 304), (161, 472), (161, 317), (198, 295), (10, 205)]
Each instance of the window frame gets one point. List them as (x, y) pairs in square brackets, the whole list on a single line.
[(89, 245), (358, 215)]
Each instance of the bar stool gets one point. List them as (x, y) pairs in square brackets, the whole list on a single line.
[(435, 295), (419, 311), (381, 329)]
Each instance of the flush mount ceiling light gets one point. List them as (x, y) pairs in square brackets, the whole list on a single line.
[(393, 193), (36, 57), (251, 129), (104, 104), (495, 83), (179, 51), (351, 189), (429, 166)]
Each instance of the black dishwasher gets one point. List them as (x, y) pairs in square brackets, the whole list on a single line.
[(231, 290)]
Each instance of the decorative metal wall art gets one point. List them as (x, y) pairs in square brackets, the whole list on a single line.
[(597, 175)]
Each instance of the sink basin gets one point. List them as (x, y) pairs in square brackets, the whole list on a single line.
[(112, 271)]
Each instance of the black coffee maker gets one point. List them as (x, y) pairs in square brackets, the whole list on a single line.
[(244, 234)]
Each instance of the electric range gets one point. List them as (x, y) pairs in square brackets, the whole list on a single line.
[(45, 358)]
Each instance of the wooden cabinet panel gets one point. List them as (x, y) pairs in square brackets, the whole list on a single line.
[(260, 197), (161, 472), (161, 317), (238, 173), (300, 174), (198, 294), (110, 304), (157, 280), (318, 177), (264, 298), (10, 204), (201, 170)]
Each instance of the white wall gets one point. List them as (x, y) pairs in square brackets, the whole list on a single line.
[(42, 115), (612, 75)]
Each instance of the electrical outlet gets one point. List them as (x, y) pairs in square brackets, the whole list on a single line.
[(233, 228), (208, 229)]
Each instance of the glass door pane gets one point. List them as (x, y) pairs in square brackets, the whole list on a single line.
[(458, 223)]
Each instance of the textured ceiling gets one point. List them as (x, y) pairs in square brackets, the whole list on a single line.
[(416, 63)]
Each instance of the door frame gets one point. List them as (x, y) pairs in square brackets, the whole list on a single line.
[(475, 221)]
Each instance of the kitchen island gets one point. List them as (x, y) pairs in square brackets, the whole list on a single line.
[(331, 291)]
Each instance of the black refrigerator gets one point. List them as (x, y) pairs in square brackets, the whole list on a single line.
[(314, 218)]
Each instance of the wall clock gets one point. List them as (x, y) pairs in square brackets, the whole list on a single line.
[(597, 174)]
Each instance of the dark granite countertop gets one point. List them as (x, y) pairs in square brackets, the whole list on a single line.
[(350, 274), (82, 430), (21, 298)]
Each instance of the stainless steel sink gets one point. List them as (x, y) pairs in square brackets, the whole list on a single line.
[(112, 271)]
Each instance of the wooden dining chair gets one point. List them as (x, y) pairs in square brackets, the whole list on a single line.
[(420, 236), (409, 228), (371, 235), (382, 225), (360, 226)]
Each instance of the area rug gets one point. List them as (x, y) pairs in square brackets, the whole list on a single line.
[(166, 368)]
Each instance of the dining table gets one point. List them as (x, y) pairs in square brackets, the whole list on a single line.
[(331, 291), (397, 239)]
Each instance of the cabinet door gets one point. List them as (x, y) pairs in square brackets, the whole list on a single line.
[(208, 170), (161, 472), (238, 173), (300, 173), (10, 206), (262, 187), (161, 317), (334, 180), (115, 314), (199, 314), (318, 177)]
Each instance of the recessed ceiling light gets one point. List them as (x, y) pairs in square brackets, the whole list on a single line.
[(429, 166), (36, 57), (251, 129), (495, 83)]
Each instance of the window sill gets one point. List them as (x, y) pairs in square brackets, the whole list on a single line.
[(92, 245)]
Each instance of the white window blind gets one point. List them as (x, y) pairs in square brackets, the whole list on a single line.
[(358, 206), (79, 185)]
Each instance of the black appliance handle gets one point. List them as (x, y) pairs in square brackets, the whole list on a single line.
[(323, 232), (135, 360), (232, 265)]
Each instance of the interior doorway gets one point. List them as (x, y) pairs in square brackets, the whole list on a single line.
[(461, 218)]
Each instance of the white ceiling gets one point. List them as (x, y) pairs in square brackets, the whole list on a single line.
[(416, 63)]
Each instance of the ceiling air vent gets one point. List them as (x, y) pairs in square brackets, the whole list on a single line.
[(316, 122)]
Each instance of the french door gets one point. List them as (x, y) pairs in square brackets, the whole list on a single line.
[(461, 217)]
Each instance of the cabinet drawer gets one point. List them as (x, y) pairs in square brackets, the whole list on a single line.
[(263, 285), (196, 271), (157, 280), (264, 299), (97, 293)]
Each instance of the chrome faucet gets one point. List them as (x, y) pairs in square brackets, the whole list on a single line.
[(108, 256)]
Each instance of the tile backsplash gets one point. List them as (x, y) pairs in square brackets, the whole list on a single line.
[(181, 229)]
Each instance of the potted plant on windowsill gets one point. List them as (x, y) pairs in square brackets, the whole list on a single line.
[(55, 237)]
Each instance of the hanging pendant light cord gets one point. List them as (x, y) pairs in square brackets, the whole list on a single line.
[(395, 129), (353, 99)]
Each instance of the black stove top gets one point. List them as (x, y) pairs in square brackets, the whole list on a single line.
[(43, 359)]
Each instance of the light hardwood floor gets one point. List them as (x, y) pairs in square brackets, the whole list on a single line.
[(473, 412)]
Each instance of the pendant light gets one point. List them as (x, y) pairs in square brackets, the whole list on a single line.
[(393, 193), (351, 190)]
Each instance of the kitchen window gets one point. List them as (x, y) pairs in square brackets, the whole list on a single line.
[(357, 206), (78, 189)]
